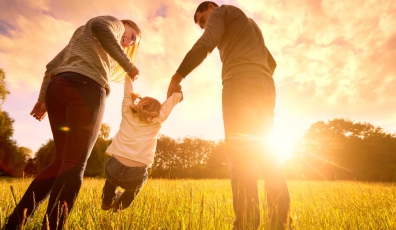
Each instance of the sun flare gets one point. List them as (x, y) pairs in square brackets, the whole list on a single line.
[(282, 146)]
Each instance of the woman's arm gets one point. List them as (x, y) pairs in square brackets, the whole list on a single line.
[(108, 31), (54, 63)]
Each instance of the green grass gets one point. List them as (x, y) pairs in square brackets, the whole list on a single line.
[(207, 204)]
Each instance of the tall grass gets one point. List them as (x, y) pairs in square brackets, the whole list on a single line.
[(207, 204)]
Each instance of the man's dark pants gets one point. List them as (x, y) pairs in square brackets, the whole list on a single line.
[(248, 109)]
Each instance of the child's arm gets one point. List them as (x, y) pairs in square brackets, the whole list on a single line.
[(169, 104), (128, 88)]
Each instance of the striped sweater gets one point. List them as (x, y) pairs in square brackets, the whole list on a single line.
[(93, 51)]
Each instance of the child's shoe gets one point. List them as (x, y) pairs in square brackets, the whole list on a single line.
[(105, 206), (116, 205)]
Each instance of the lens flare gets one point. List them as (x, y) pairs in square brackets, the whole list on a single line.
[(64, 128)]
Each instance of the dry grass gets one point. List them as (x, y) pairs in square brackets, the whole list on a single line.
[(207, 204)]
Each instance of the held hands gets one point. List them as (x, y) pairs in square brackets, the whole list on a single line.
[(179, 90), (39, 111), (134, 73), (174, 85)]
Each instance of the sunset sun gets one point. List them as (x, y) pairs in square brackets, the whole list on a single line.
[(282, 147)]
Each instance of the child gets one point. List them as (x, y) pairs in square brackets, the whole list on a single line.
[(134, 146)]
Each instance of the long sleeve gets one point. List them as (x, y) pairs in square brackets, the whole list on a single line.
[(128, 88), (192, 60), (168, 106), (103, 31), (54, 63), (214, 31)]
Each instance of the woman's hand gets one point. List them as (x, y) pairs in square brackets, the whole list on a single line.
[(39, 111), (133, 73)]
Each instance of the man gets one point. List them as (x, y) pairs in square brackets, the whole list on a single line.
[(248, 109)]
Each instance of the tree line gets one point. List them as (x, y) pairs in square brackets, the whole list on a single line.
[(339, 149), (344, 150), (13, 158), (189, 157)]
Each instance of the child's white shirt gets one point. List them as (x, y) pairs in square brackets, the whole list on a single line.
[(137, 140)]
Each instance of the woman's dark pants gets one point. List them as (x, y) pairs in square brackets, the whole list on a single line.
[(75, 105)]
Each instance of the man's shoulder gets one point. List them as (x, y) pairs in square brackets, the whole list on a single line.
[(229, 7), (228, 10)]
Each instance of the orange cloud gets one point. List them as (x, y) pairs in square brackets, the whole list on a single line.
[(335, 58)]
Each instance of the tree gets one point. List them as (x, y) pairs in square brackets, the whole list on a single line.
[(45, 155), (12, 157), (194, 155), (95, 165), (98, 157), (166, 160), (104, 131), (342, 149), (3, 89), (189, 157), (217, 163), (31, 167)]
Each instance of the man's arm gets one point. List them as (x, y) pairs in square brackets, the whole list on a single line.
[(174, 84), (271, 61), (214, 31)]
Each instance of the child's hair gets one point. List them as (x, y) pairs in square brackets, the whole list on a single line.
[(147, 108), (119, 73)]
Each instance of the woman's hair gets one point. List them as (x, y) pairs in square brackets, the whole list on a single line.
[(147, 108), (119, 73)]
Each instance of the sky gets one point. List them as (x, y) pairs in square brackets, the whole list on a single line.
[(334, 60)]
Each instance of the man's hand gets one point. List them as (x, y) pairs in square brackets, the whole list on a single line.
[(179, 90), (134, 73), (174, 85), (39, 111)]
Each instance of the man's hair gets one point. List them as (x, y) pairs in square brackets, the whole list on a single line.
[(204, 6)]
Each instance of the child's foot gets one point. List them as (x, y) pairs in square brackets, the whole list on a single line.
[(116, 205), (105, 206)]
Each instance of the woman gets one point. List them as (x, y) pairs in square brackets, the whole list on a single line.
[(74, 91)]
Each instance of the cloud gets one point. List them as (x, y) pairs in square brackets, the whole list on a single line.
[(335, 58)]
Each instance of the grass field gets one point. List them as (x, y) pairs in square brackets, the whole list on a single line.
[(207, 204)]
